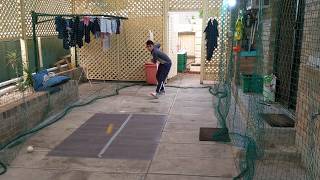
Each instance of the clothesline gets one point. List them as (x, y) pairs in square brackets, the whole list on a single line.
[(72, 15), (35, 21)]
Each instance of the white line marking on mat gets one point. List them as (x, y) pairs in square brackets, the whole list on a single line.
[(113, 137)]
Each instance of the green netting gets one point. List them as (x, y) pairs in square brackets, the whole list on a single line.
[(267, 99), (275, 132)]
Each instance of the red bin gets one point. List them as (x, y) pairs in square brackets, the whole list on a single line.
[(151, 71)]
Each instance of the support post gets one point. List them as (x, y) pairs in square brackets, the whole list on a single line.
[(40, 52), (166, 28), (73, 57), (34, 38), (205, 5), (23, 43)]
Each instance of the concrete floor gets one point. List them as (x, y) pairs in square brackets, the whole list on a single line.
[(179, 156)]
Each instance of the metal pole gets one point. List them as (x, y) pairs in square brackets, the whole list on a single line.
[(72, 15), (34, 37)]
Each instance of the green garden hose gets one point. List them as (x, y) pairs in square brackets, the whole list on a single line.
[(19, 139)]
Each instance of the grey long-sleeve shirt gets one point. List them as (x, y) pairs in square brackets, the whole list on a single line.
[(159, 56)]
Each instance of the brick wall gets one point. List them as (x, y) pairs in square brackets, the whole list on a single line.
[(308, 128), (269, 36), (17, 117)]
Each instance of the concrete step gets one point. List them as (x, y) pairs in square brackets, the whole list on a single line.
[(276, 153), (275, 169), (282, 153), (278, 136)]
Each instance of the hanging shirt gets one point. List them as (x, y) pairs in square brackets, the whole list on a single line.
[(212, 35)]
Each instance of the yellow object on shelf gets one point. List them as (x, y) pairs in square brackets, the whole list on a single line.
[(239, 29)]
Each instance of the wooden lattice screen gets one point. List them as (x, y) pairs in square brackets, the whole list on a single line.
[(45, 6), (127, 55), (213, 8), (10, 20), (15, 17), (185, 5), (125, 59)]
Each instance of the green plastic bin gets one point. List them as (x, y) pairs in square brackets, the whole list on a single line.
[(182, 61), (251, 83)]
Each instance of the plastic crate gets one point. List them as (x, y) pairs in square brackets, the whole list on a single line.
[(251, 83), (248, 53)]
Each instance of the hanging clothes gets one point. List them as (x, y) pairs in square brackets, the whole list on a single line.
[(71, 33), (61, 27), (87, 28), (78, 31), (114, 26), (86, 20), (105, 27), (106, 42), (108, 23), (96, 28), (87, 24), (212, 35), (118, 26)]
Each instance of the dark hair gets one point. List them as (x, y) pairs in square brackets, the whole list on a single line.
[(149, 42)]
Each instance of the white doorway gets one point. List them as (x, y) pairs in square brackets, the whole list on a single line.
[(185, 35)]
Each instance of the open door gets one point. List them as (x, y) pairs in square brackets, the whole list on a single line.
[(172, 41)]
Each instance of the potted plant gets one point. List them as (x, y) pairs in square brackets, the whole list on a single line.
[(24, 82), (13, 61)]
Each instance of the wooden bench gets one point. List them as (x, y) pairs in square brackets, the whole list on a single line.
[(64, 60)]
